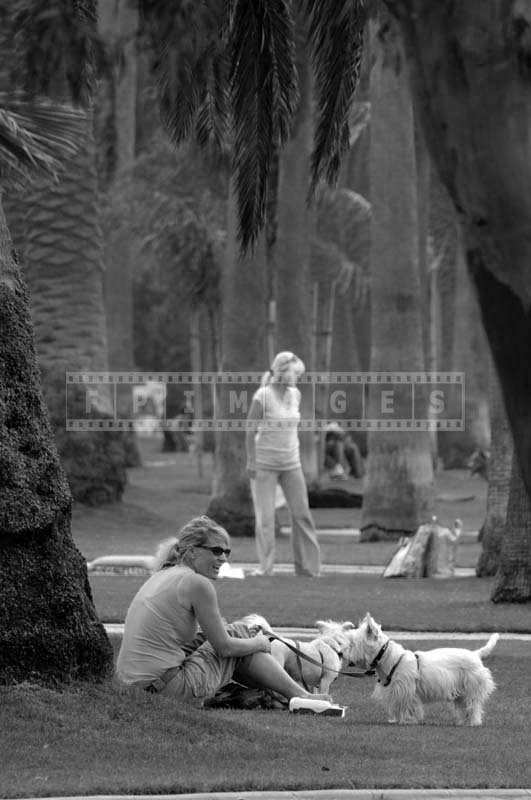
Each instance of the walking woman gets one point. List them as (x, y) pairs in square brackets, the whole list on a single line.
[(162, 648), (273, 457)]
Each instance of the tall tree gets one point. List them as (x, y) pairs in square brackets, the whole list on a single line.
[(499, 479), (296, 222), (118, 24), (399, 492), (513, 578), (470, 61), (48, 625), (62, 243), (243, 347)]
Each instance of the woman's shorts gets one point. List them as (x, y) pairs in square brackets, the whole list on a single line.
[(203, 672)]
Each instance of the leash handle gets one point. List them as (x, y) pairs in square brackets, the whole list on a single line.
[(311, 660)]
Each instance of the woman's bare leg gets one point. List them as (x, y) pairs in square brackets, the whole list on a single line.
[(262, 669)]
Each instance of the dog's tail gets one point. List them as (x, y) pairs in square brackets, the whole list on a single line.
[(487, 649)]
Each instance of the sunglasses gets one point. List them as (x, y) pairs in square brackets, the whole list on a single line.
[(216, 551)]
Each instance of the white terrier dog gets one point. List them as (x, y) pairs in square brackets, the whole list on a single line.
[(328, 649), (406, 679)]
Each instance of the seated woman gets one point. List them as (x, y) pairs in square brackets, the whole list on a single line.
[(161, 650)]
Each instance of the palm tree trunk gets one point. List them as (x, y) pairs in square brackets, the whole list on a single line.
[(399, 493), (513, 579), (118, 23), (499, 477), (470, 355), (118, 27), (468, 87), (295, 224), (196, 363), (244, 325), (63, 262), (48, 626)]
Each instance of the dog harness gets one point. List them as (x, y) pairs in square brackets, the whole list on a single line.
[(391, 673), (299, 665), (393, 668)]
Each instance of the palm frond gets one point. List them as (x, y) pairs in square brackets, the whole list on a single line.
[(56, 48), (329, 263), (343, 222), (36, 136), (360, 119), (336, 38), (187, 39), (264, 96), (212, 119)]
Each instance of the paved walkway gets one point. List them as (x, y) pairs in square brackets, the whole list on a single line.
[(326, 794), (345, 569), (354, 533), (116, 629), (142, 565)]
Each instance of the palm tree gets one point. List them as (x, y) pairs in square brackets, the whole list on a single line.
[(499, 479), (513, 576), (292, 247), (485, 167), (250, 70), (48, 624), (61, 248), (399, 492), (243, 329), (118, 25)]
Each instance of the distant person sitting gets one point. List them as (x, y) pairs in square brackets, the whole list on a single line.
[(179, 439), (334, 453), (340, 450)]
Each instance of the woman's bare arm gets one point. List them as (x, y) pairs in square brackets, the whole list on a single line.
[(203, 598), (255, 412)]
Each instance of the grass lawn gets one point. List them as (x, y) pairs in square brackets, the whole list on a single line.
[(458, 604), (167, 491), (93, 740)]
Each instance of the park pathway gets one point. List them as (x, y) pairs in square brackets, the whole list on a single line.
[(325, 794)]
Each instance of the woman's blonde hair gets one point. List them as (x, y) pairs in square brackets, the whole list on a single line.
[(193, 534), (280, 362)]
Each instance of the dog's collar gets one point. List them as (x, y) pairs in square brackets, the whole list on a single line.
[(379, 655)]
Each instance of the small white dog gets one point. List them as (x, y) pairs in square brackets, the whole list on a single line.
[(408, 679), (328, 649)]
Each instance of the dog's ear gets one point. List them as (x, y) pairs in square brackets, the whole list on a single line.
[(348, 626), (373, 629), (321, 625)]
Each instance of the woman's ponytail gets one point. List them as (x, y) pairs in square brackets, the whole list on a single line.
[(266, 378), (167, 554)]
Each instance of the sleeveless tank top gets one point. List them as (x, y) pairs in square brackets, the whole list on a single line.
[(157, 626), (278, 448)]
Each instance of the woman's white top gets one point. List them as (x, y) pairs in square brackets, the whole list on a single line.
[(277, 437)]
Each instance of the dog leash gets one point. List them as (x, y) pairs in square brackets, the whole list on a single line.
[(299, 667), (300, 654)]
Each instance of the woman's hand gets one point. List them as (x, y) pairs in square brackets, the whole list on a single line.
[(264, 645)]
